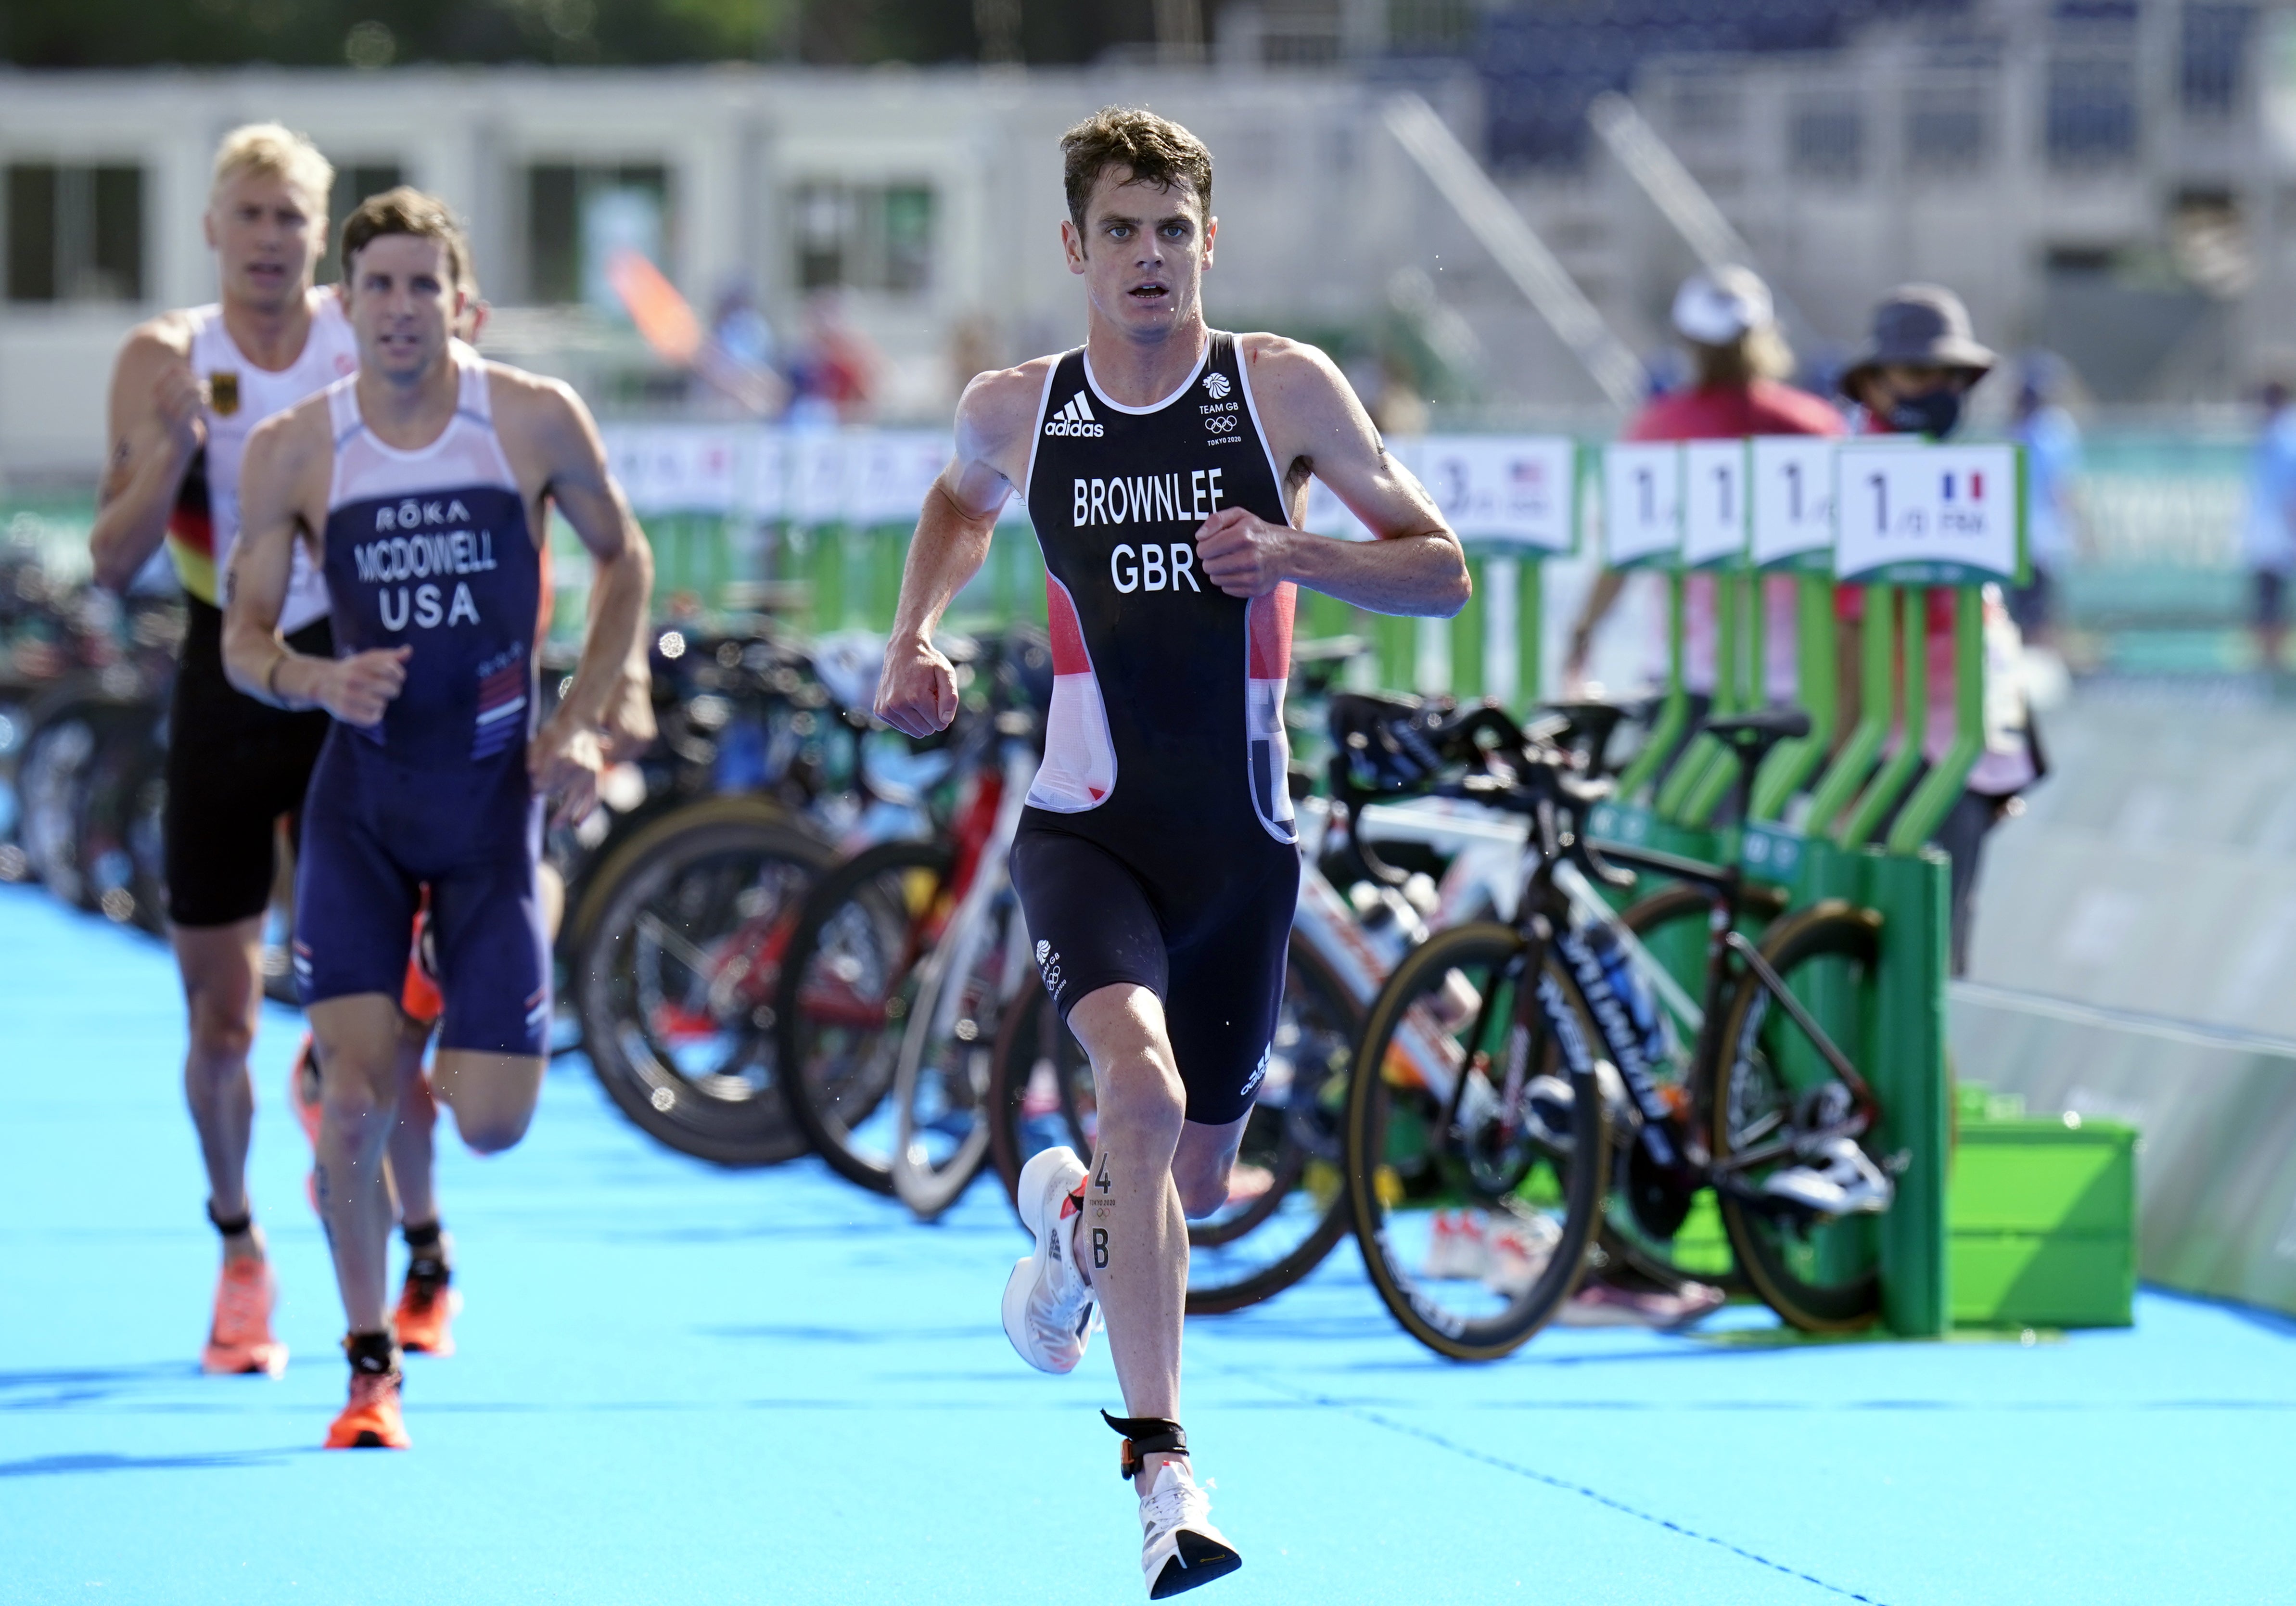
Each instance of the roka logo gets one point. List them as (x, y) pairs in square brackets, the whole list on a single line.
[(1215, 385), (1075, 418)]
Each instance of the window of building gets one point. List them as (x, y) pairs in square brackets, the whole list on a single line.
[(1825, 137), (577, 215), (2213, 43), (1945, 128), (74, 234), (865, 236), (2091, 118), (353, 184)]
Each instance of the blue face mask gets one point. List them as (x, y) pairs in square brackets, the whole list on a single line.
[(1934, 415)]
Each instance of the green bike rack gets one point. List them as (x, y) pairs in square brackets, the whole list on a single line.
[(1791, 764), (1674, 712)]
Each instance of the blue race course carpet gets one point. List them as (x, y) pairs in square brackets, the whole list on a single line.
[(679, 1384)]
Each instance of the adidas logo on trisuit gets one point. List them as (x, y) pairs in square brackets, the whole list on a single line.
[(1075, 418)]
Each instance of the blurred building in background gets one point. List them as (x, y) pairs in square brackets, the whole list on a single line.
[(2114, 180)]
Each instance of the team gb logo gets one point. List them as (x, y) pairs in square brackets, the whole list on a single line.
[(1216, 383)]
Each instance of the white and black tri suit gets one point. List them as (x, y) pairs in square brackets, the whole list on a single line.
[(1158, 846)]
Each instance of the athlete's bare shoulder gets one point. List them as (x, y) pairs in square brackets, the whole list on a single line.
[(542, 423), (291, 441), (997, 417), (150, 346), (1288, 374)]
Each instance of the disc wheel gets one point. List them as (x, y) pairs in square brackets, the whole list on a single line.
[(1822, 1276), (845, 996), (674, 981), (1476, 1212)]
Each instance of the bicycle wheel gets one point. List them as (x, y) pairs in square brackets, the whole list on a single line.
[(1287, 1203), (120, 844), (844, 999), (941, 1078), (1040, 1093), (1650, 1223), (1475, 1211), (674, 984), (1823, 1276)]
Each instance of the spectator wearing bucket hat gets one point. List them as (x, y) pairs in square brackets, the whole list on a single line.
[(1918, 364), (1728, 324)]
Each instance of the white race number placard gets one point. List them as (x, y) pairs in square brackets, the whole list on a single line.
[(1927, 515), (1713, 502), (1511, 489), (1793, 498), (1642, 504)]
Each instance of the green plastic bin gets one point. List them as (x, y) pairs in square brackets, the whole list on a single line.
[(2041, 1223)]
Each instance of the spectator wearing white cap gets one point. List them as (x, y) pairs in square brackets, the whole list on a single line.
[(1728, 324)]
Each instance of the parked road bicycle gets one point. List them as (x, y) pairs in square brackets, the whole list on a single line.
[(1517, 1100)]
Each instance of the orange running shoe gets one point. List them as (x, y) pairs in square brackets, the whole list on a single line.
[(239, 1340), (372, 1420), (427, 1307)]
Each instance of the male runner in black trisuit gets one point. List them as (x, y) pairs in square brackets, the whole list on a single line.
[(1165, 466)]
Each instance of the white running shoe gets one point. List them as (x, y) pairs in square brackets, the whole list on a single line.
[(1179, 1547), (1456, 1247), (1839, 1182), (1048, 1306), (1520, 1251)]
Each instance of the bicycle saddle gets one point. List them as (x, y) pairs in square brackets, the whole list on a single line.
[(1754, 734), (1591, 725)]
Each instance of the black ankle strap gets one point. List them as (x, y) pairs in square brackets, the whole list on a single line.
[(1146, 1436), (235, 1226), (376, 1354), (421, 1237)]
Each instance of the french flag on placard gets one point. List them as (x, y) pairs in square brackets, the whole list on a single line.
[(1976, 486)]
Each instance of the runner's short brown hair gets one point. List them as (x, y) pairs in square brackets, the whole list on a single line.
[(407, 210), (1155, 149)]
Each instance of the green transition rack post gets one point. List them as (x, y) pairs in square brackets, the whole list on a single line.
[(1913, 521), (1642, 527)]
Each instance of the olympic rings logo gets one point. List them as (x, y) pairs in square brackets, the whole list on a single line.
[(1222, 423)]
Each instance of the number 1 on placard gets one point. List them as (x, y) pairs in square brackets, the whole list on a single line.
[(1644, 484), (1794, 492), (1722, 494), (1880, 504)]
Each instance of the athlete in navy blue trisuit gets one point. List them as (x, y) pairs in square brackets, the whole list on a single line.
[(1165, 467), (419, 487)]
